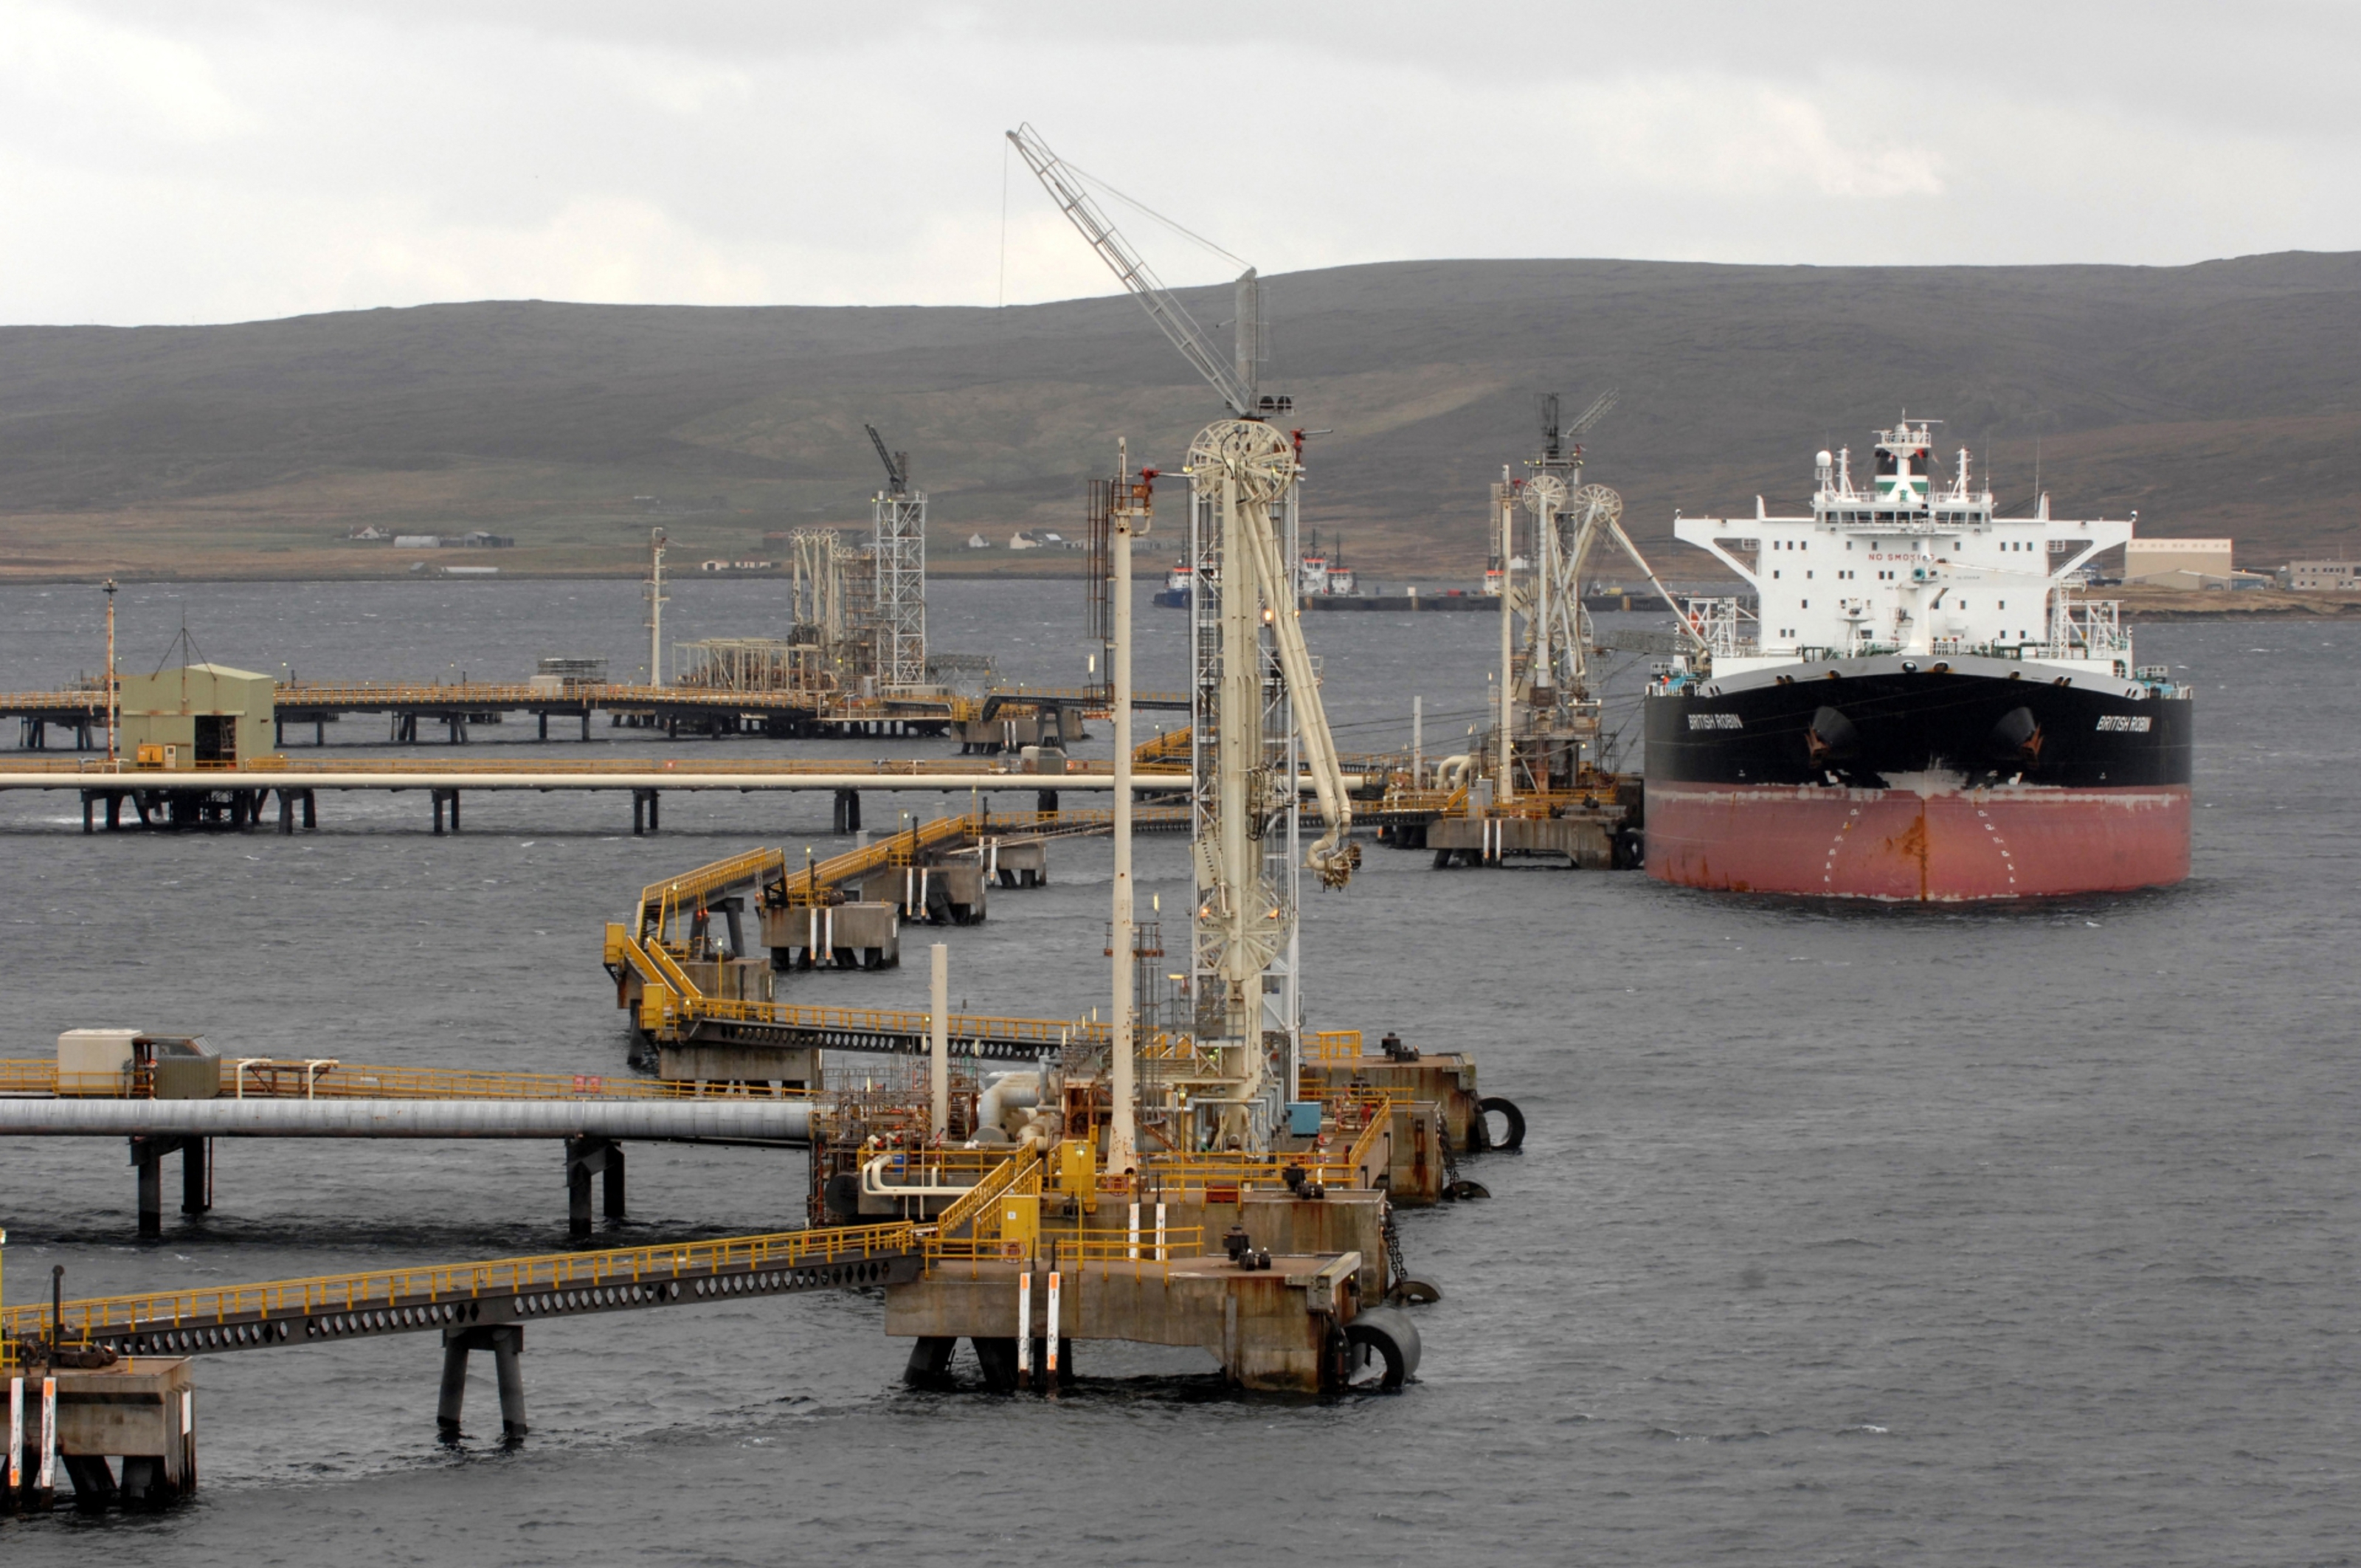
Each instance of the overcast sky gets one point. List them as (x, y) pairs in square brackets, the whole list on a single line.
[(202, 160)]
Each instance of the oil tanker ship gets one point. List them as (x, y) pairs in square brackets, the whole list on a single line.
[(1920, 707)]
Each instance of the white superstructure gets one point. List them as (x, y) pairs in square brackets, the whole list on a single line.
[(1902, 568)]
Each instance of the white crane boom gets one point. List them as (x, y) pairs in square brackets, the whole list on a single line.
[(1166, 311), (1597, 410)]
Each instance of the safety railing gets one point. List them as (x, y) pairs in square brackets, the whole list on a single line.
[(1167, 753), (660, 901), (490, 695), (399, 1288), (670, 986), (91, 702), (1362, 1162), (406, 767), (1199, 1173), (1335, 1045), (325, 1078), (1058, 1248), (34, 1077)]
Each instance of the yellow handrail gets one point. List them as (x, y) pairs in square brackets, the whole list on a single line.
[(253, 1077), (968, 1211), (1335, 1045), (1365, 1148), (1078, 1247)]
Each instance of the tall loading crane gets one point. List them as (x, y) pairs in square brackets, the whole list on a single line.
[(1257, 722), (1556, 735)]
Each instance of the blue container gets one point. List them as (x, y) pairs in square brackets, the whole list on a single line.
[(1303, 1118)]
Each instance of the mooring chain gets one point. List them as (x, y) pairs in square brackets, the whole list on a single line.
[(1394, 1248)]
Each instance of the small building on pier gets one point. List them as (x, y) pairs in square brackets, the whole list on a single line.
[(198, 714)]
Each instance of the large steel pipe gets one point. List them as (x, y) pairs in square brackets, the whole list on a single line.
[(767, 1121)]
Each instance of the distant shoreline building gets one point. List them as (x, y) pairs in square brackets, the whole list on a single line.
[(2180, 563), (2321, 576)]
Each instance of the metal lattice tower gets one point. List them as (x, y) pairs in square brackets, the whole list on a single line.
[(899, 528)]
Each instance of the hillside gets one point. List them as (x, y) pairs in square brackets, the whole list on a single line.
[(2215, 399)]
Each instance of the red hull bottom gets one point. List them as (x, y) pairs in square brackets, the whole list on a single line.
[(1900, 845)]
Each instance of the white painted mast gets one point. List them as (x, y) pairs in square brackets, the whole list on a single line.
[(1128, 519), (655, 605)]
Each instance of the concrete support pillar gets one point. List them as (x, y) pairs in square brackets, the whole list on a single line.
[(543, 717), (147, 1160), (507, 1344), (508, 1372), (196, 1173), (87, 800), (997, 1357), (585, 724), (577, 1193), (451, 1398), (319, 732), (286, 813), (94, 1482), (311, 816), (931, 1360), (586, 1156), (644, 818), (442, 796), (848, 811), (1045, 800), (114, 812)]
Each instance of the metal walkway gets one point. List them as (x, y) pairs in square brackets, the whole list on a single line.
[(660, 901), (501, 1292), (697, 708)]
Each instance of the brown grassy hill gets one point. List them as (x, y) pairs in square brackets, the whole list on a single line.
[(2219, 398)]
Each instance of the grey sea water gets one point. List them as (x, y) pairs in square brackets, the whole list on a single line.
[(1853, 1234)]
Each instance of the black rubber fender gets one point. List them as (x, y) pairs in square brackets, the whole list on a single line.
[(1464, 1190), (1385, 1340), (1514, 1138)]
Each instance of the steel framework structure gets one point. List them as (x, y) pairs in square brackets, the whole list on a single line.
[(899, 523)]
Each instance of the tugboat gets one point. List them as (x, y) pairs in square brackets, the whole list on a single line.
[(1175, 592), (1918, 709), (1318, 575)]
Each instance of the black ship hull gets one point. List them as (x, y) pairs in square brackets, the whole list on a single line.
[(1919, 780)]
